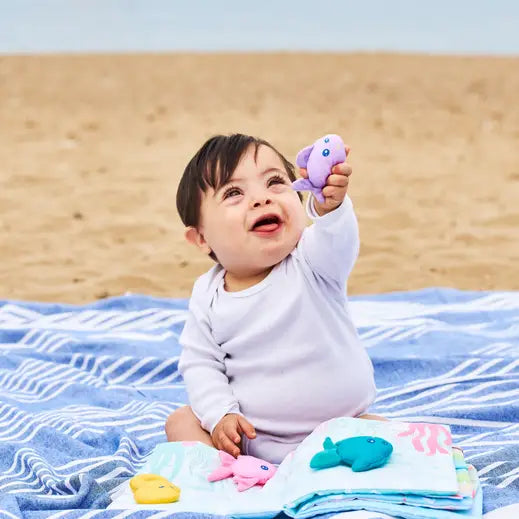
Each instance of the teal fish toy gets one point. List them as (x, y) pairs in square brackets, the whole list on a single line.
[(360, 453)]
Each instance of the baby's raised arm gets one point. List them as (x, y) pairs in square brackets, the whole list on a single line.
[(331, 245)]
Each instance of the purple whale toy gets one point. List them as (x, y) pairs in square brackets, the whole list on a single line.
[(318, 160)]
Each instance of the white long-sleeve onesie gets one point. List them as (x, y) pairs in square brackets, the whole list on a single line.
[(284, 352)]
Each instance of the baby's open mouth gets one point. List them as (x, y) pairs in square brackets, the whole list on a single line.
[(267, 223)]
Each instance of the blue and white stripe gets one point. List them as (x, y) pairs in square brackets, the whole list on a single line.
[(85, 391)]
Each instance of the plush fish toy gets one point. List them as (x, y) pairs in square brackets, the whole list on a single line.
[(318, 160), (246, 471), (153, 489), (360, 453)]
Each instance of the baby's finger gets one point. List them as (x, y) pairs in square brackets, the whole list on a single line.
[(348, 149), (334, 193), (337, 180), (247, 427), (225, 444), (231, 431), (303, 172), (342, 169)]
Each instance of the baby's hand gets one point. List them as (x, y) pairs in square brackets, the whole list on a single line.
[(336, 187), (227, 433)]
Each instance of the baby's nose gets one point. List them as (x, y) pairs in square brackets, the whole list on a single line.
[(259, 203)]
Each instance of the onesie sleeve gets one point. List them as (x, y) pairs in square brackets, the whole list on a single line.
[(202, 366), (331, 245)]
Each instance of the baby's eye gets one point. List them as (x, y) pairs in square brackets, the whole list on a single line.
[(277, 179), (232, 191)]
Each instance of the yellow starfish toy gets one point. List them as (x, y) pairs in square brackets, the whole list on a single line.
[(152, 489)]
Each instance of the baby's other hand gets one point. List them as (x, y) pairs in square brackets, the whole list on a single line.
[(227, 433)]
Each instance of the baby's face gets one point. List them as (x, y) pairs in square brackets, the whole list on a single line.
[(256, 220)]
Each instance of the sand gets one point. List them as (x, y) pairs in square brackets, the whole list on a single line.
[(92, 148)]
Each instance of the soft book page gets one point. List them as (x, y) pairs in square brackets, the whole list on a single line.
[(421, 462), (187, 465)]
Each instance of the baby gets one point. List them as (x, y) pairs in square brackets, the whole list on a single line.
[(269, 349)]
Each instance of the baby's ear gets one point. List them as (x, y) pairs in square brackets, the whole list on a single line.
[(194, 237)]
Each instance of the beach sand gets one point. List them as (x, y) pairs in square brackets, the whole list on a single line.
[(92, 149)]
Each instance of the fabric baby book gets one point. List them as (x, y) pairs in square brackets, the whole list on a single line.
[(425, 477)]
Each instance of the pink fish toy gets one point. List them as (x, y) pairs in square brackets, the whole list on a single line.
[(318, 160), (246, 471)]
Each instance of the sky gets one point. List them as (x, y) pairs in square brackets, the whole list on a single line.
[(431, 26)]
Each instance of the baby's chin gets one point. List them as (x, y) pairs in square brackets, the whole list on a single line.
[(264, 256), (278, 252)]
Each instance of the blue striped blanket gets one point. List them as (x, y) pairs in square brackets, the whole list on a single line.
[(85, 390)]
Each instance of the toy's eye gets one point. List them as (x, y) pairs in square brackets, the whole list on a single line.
[(161, 486), (327, 139), (326, 152), (264, 467), (371, 440)]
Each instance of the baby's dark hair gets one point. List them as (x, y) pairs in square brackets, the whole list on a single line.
[(212, 167)]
